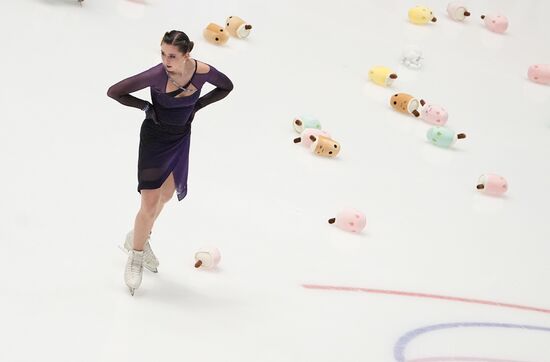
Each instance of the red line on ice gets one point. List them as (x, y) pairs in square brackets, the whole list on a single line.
[(425, 295)]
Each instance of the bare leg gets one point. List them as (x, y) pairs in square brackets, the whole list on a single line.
[(152, 202), (145, 217), (166, 193)]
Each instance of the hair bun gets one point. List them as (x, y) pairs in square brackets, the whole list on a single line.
[(178, 39)]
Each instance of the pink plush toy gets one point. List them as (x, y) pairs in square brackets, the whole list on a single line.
[(433, 114), (539, 73), (207, 258), (492, 184), (350, 220), (305, 138), (496, 23)]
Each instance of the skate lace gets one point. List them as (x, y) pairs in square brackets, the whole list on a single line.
[(136, 262), (148, 255)]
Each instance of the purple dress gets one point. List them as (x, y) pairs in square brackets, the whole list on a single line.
[(164, 146)]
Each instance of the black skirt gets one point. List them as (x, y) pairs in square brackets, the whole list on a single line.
[(163, 149)]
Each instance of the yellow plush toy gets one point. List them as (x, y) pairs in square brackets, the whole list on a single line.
[(215, 34), (421, 15), (382, 76), (237, 27)]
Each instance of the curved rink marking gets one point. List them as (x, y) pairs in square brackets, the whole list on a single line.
[(461, 359), (428, 296), (403, 342)]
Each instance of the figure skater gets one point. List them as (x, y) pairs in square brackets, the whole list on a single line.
[(163, 159)]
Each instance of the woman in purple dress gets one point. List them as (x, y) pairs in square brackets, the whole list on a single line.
[(164, 138)]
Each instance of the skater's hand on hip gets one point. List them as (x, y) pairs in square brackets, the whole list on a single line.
[(150, 113)]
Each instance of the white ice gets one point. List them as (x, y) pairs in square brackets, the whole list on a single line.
[(68, 156)]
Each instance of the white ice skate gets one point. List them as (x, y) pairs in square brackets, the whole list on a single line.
[(134, 270), (150, 261)]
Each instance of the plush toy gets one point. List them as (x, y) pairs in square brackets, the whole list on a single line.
[(324, 146), (302, 122), (443, 137), (405, 103), (433, 114), (382, 75), (539, 73), (207, 258), (237, 27), (412, 57), (350, 220), (457, 11), (492, 184), (496, 23), (215, 34), (305, 137), (421, 15)]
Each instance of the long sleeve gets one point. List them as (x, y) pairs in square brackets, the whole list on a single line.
[(223, 87), (121, 90)]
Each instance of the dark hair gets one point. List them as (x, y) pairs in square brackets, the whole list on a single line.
[(178, 39)]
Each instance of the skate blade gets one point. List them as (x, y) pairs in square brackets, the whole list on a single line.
[(132, 290), (121, 247)]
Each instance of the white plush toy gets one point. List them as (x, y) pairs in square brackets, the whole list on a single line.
[(412, 57)]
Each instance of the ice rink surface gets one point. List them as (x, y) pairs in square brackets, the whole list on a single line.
[(441, 272)]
